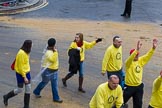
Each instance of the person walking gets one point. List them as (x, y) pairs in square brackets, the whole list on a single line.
[(133, 76), (108, 95), (112, 60), (81, 46), (22, 69), (128, 9), (156, 97), (50, 66)]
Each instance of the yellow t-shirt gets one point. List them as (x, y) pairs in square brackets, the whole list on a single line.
[(51, 60), (22, 63), (112, 60), (134, 69), (156, 97), (106, 98)]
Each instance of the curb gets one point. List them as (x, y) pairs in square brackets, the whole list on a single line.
[(24, 8)]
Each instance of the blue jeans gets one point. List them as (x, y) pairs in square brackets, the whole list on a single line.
[(81, 69), (47, 76), (20, 79)]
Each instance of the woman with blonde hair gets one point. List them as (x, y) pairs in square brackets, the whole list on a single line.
[(78, 45)]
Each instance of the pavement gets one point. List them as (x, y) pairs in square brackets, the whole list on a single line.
[(89, 17), (21, 6)]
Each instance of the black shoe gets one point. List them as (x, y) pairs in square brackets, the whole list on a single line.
[(64, 82), (58, 101), (123, 15), (5, 100), (81, 90), (37, 96), (128, 16)]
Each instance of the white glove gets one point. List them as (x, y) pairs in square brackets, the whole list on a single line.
[(78, 48)]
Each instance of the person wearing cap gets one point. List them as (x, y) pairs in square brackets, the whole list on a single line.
[(82, 46), (133, 74), (112, 60), (50, 63), (22, 70), (108, 94), (156, 97)]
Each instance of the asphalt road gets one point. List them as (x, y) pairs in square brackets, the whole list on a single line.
[(142, 10), (12, 37)]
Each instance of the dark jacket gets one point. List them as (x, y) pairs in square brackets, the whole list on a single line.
[(74, 60)]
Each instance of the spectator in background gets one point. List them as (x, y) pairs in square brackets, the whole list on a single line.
[(128, 9)]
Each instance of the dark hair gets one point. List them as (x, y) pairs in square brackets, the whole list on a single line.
[(115, 38), (27, 46), (51, 42)]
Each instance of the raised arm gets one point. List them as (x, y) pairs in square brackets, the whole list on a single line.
[(134, 54), (145, 58)]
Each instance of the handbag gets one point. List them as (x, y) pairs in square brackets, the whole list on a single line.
[(13, 65)]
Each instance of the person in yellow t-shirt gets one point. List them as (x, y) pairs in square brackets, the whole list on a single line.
[(81, 46), (22, 69), (133, 74), (112, 60), (50, 65), (156, 97), (108, 94)]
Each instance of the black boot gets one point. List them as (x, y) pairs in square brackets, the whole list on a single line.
[(26, 100), (80, 85), (7, 96), (123, 15), (69, 75)]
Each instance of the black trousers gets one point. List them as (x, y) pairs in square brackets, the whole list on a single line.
[(128, 7), (136, 92)]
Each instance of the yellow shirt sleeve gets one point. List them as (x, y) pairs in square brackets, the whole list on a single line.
[(130, 58), (119, 101), (100, 98), (157, 83), (89, 45), (72, 45), (145, 58), (105, 60)]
